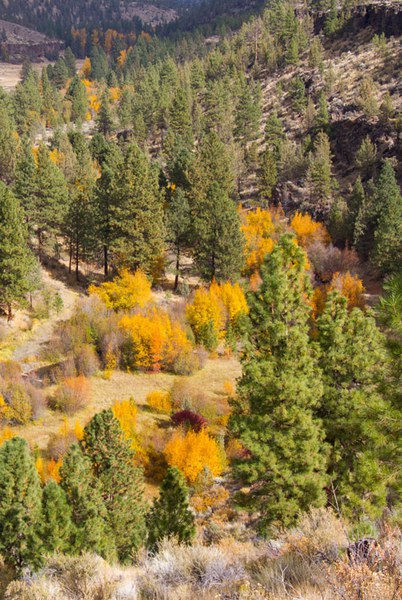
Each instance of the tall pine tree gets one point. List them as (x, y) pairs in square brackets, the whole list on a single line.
[(20, 506), (273, 413), (121, 482)]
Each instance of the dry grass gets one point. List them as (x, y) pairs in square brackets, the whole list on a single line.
[(211, 380)]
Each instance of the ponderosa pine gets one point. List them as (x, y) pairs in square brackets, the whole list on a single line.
[(280, 389)]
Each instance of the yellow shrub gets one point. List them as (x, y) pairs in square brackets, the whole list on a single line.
[(127, 291), (160, 401), (126, 411), (156, 342), (349, 286), (194, 452), (48, 469), (6, 434), (212, 311), (309, 231), (258, 229)]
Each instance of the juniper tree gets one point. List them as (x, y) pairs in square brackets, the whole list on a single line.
[(170, 515), (121, 482), (281, 387), (57, 526), (20, 506), (354, 409), (91, 528)]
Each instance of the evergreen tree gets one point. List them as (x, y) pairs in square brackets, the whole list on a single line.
[(70, 61), (15, 261), (121, 482), (353, 409), (20, 506), (57, 526), (268, 177), (213, 164), (387, 252), (170, 515), (366, 158), (104, 119), (320, 179), (273, 413), (77, 94), (51, 198), (355, 203), (91, 531), (8, 141), (78, 226), (219, 247), (137, 218), (274, 134), (60, 74), (322, 116), (179, 227), (180, 117), (25, 181), (106, 199)]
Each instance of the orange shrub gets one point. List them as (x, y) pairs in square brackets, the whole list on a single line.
[(309, 231), (258, 229), (160, 401), (127, 291), (349, 286), (194, 452), (155, 342), (48, 469), (73, 394)]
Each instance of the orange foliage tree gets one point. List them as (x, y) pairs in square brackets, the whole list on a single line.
[(347, 284), (154, 341), (126, 411), (215, 312), (309, 231), (194, 452), (160, 401), (48, 469), (258, 229), (128, 290)]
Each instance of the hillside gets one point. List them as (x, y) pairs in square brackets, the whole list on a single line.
[(201, 302)]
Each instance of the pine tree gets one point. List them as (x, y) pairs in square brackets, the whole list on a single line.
[(77, 94), (366, 157), (8, 141), (219, 248), (138, 217), (387, 251), (78, 226), (25, 181), (322, 116), (274, 134), (170, 515), (51, 198), (121, 482), (70, 61), (106, 199), (281, 386), (57, 527), (268, 177), (91, 532), (355, 203), (353, 407), (180, 117), (20, 506), (104, 119), (179, 227), (15, 261), (320, 179), (213, 164)]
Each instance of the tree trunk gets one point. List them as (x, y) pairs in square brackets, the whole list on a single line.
[(9, 312), (176, 279), (105, 260)]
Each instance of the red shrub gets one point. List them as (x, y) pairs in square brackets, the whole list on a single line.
[(188, 420)]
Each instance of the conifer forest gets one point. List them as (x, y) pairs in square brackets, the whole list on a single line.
[(200, 300)]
